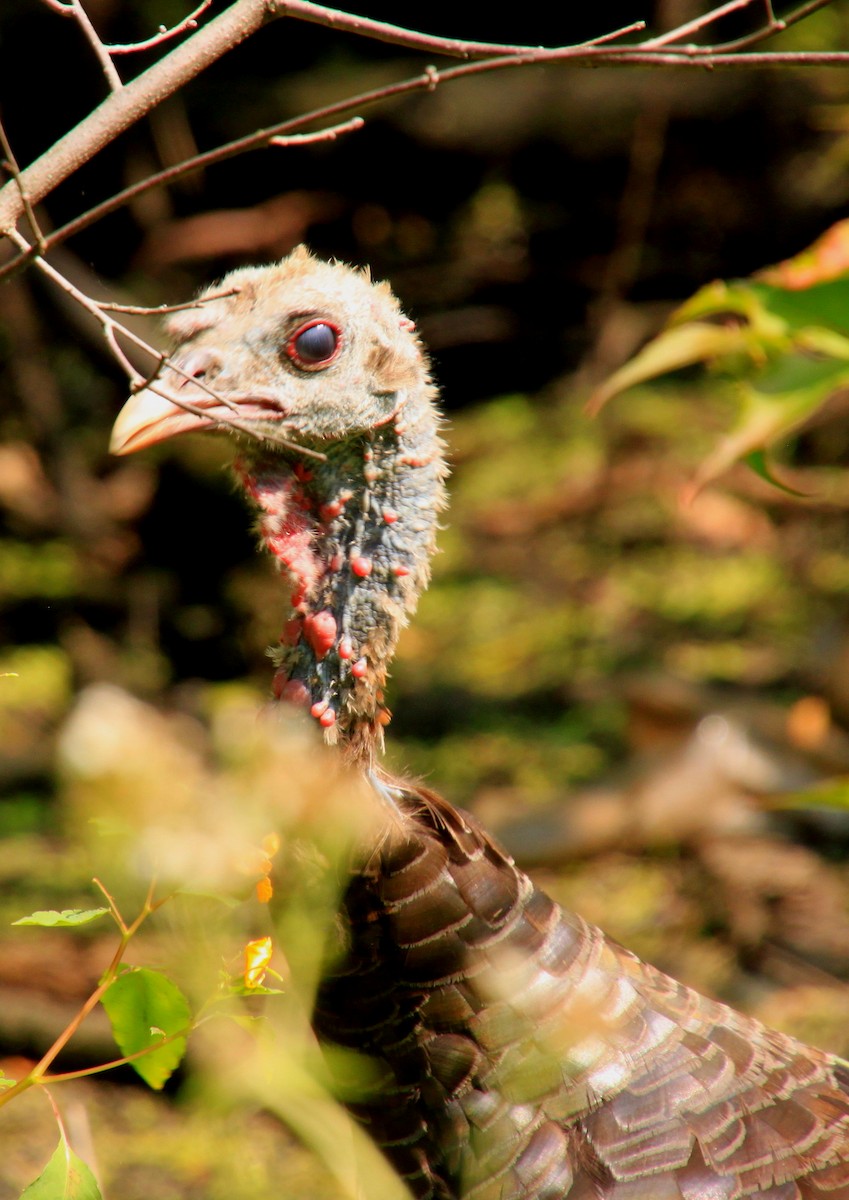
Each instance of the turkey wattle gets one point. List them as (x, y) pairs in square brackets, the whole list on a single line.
[(521, 1055)]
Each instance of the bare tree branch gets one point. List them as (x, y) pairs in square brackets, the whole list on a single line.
[(86, 139), (243, 17), (122, 109), (234, 25)]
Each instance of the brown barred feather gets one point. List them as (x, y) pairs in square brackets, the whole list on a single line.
[(527, 1057)]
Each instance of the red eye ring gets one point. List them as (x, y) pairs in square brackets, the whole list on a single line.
[(314, 345)]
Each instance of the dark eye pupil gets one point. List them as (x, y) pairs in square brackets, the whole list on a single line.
[(316, 343)]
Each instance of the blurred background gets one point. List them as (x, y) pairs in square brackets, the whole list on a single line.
[(647, 701)]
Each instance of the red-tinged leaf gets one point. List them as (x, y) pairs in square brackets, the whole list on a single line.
[(66, 1177), (145, 1008), (680, 346), (67, 918), (826, 258)]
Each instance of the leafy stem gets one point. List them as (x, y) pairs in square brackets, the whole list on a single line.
[(127, 932)]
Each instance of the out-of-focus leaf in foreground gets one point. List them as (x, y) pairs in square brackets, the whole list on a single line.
[(778, 341), (144, 1008), (831, 794), (52, 918), (66, 1177)]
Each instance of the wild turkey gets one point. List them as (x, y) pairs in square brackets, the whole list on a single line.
[(522, 1055)]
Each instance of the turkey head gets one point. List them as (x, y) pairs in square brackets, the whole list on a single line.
[(321, 378)]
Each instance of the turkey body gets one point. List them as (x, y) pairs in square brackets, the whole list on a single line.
[(524, 1056), (515, 1052)]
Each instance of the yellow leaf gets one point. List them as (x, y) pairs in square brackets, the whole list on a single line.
[(257, 957), (271, 844)]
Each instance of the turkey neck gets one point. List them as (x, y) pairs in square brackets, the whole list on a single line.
[(353, 533)]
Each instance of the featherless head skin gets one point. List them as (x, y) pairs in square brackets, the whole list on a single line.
[(322, 381)]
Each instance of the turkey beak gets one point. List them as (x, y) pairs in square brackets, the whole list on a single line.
[(148, 418)]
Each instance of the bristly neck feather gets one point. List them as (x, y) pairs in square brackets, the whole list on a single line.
[(354, 534)]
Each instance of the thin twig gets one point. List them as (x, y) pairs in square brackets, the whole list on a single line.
[(161, 310), (395, 35), (101, 53), (616, 34), (711, 58), (229, 422), (321, 135), (245, 16), (49, 1056), (11, 164), (113, 907), (752, 39), (274, 135), (110, 333), (85, 1072), (698, 24), (111, 330), (164, 35)]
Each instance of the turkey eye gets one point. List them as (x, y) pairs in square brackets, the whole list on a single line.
[(314, 345)]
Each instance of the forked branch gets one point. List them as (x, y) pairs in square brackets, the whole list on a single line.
[(128, 103)]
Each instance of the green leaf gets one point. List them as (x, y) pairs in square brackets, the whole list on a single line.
[(681, 346), (781, 398), (5, 1081), (144, 1007), (762, 325), (828, 794), (784, 350), (52, 918), (66, 1177), (241, 989), (824, 304), (757, 461)]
